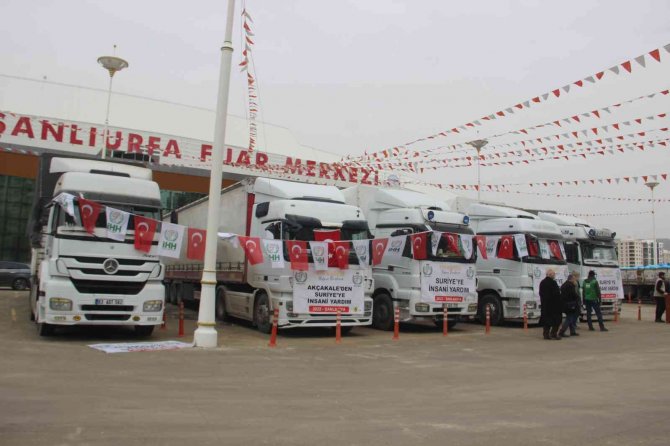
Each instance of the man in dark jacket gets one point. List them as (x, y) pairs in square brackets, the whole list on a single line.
[(551, 306), (570, 300), (659, 296)]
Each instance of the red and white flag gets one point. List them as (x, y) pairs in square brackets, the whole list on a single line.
[(506, 250), (89, 211), (419, 245), (452, 242), (378, 250), (555, 250), (328, 236), (145, 228), (341, 250), (195, 249), (297, 253), (252, 249), (481, 245)]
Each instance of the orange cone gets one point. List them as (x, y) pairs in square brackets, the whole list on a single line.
[(445, 321), (525, 318), (488, 319), (273, 335), (338, 328), (396, 323), (181, 320), (639, 309)]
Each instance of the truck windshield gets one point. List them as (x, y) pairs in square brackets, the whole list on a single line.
[(444, 254), (63, 219), (593, 254)]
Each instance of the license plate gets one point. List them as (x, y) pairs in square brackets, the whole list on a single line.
[(109, 301), (452, 305)]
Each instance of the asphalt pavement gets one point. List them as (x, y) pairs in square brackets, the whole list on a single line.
[(506, 388)]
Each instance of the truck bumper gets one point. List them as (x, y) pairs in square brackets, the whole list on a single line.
[(288, 319), (96, 309)]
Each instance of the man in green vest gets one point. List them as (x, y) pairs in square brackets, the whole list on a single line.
[(591, 295)]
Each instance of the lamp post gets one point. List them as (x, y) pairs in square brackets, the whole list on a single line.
[(478, 144), (651, 185), (112, 64), (205, 335)]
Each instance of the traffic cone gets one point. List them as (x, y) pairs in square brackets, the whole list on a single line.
[(445, 321), (273, 335), (639, 309), (488, 319), (338, 328), (396, 323), (164, 324), (181, 320), (616, 313)]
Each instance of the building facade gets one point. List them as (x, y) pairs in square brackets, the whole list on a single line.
[(639, 252)]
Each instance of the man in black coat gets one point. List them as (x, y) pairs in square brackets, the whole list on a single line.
[(571, 305), (551, 306)]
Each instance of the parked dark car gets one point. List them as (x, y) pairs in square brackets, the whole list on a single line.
[(14, 274)]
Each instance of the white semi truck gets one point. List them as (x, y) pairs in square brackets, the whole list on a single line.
[(275, 209), (88, 279), (506, 285), (588, 248), (412, 285)]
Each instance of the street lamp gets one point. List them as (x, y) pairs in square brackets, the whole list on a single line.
[(112, 64), (478, 144), (651, 185), (205, 335)]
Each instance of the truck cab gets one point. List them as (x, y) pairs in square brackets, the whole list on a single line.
[(88, 279), (588, 248), (510, 285), (405, 282)]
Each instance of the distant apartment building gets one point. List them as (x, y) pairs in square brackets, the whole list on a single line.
[(640, 252)]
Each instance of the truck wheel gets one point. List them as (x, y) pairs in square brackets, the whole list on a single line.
[(20, 284), (382, 312), (44, 329), (143, 331), (262, 318), (495, 304), (220, 305)]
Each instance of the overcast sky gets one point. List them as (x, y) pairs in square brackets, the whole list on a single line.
[(349, 76)]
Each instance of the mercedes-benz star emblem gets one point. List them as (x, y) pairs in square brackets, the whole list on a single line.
[(110, 266)]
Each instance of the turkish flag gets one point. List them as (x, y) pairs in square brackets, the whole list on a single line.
[(329, 236), (452, 242), (341, 250), (419, 245), (89, 211), (252, 249), (195, 250), (481, 244), (532, 247), (297, 254), (378, 249), (506, 249), (145, 228), (555, 249)]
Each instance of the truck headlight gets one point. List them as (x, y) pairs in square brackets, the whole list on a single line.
[(531, 305), (472, 308), (60, 304), (421, 307), (152, 305), (289, 307), (367, 305)]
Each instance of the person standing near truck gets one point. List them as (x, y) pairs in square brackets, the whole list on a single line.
[(570, 300), (591, 291), (659, 296), (550, 306)]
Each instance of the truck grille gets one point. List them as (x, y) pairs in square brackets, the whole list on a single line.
[(107, 287)]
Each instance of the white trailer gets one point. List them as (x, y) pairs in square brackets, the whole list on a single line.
[(588, 248), (507, 285), (274, 209), (88, 279), (405, 282)]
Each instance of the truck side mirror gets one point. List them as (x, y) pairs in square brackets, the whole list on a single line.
[(174, 218)]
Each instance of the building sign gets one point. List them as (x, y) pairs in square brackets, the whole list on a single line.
[(450, 283), (79, 138), (328, 291)]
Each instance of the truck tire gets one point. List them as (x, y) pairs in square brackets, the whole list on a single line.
[(220, 304), (493, 300), (143, 331), (382, 312), (20, 284), (262, 313), (45, 330)]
